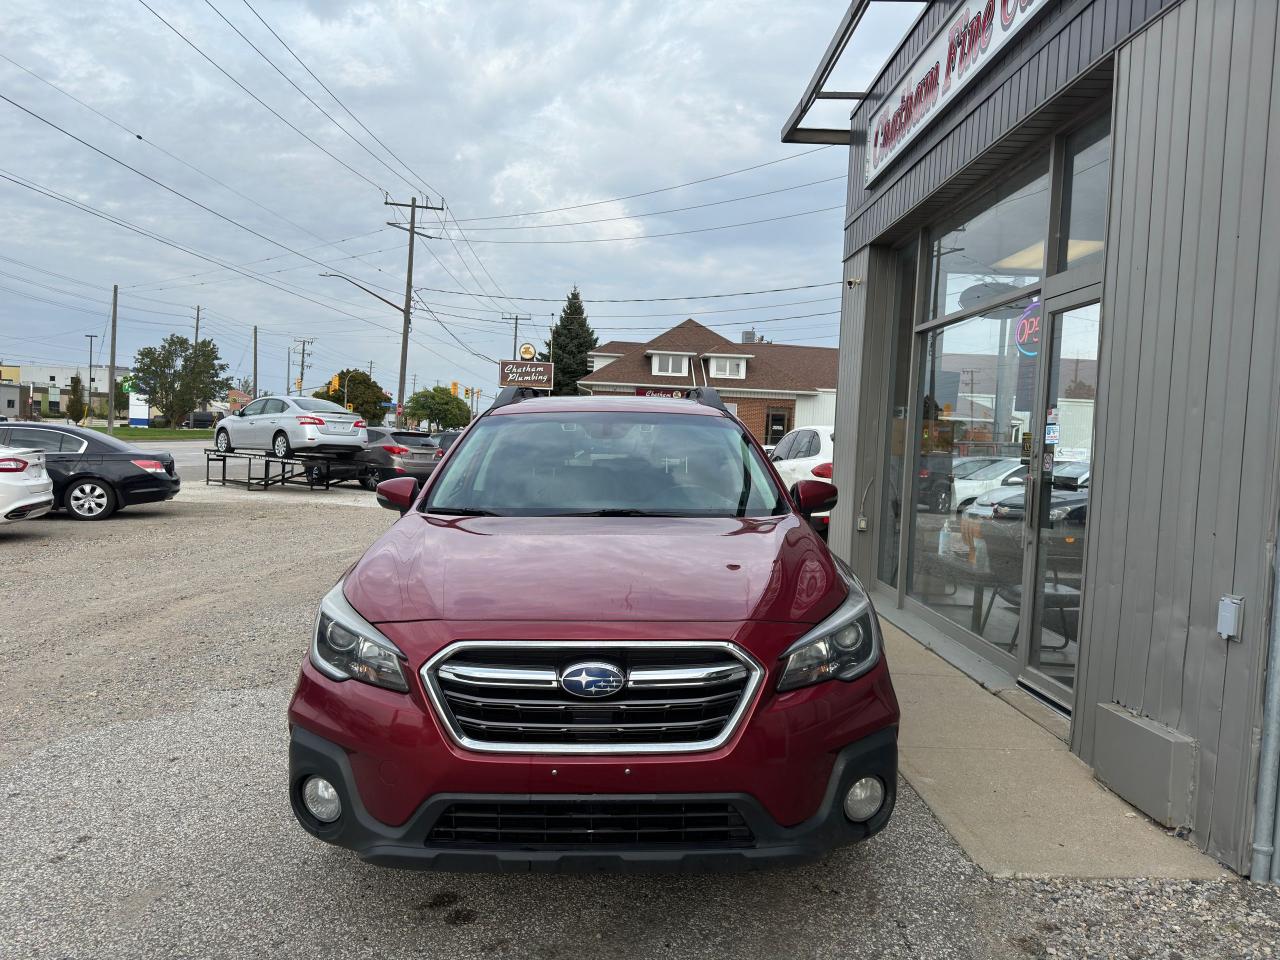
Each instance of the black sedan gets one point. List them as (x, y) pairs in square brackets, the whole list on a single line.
[(94, 474), (389, 453)]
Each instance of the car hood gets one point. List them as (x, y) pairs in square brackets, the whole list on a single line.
[(595, 569)]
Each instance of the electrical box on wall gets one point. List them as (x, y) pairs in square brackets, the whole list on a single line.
[(1230, 617)]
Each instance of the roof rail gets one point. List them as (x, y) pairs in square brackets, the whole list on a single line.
[(707, 396), (509, 395)]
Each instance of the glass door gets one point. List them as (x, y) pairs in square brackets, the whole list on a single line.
[(1057, 521)]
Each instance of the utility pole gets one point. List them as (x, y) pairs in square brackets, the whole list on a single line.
[(288, 370), (405, 309), (515, 318), (197, 323), (370, 369), (302, 360), (415, 385), (254, 385), (88, 385), (111, 368)]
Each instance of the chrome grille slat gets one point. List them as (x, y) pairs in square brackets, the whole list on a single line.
[(679, 696)]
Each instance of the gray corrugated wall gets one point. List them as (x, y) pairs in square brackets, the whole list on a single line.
[(861, 399), (1065, 40), (1184, 481)]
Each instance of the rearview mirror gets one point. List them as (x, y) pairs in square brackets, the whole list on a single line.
[(814, 496), (398, 493)]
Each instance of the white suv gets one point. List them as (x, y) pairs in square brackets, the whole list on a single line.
[(283, 425), (806, 453)]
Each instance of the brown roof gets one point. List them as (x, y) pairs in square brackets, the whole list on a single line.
[(773, 366)]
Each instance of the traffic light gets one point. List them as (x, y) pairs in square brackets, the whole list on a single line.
[(335, 384), (453, 388), (466, 392), (351, 406), (297, 384)]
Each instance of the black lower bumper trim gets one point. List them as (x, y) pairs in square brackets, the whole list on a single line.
[(409, 846)]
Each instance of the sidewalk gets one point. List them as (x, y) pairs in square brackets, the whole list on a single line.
[(1009, 791)]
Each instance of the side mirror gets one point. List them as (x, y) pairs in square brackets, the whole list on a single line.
[(1015, 481), (398, 493), (240, 412), (814, 496)]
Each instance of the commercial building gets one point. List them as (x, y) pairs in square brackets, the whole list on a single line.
[(1059, 245), (772, 387), (50, 385)]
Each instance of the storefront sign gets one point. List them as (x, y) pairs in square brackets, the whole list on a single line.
[(963, 48), (673, 393), (518, 373)]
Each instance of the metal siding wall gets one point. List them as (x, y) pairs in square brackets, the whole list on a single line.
[(1184, 485)]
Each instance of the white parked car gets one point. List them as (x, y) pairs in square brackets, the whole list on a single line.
[(26, 489), (1003, 473), (806, 453), (285, 425)]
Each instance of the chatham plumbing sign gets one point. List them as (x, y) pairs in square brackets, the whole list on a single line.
[(962, 49)]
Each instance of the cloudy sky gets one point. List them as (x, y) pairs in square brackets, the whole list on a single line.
[(499, 108)]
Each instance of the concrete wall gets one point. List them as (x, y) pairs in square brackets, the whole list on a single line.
[(1184, 479)]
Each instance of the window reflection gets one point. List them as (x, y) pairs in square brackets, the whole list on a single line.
[(897, 432), (993, 248), (977, 394), (1084, 194)]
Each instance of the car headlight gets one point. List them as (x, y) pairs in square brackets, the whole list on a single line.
[(1059, 513), (347, 647), (842, 647)]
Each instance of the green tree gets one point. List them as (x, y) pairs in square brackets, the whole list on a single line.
[(178, 376), (121, 398), (75, 403), (437, 405), (363, 393), (245, 385), (571, 340)]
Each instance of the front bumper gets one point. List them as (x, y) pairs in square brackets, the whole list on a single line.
[(407, 845)]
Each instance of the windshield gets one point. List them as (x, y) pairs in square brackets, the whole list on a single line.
[(656, 464), (994, 471), (318, 406), (964, 469)]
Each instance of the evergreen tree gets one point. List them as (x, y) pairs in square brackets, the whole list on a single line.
[(571, 339), (75, 403)]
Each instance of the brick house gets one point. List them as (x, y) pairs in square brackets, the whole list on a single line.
[(772, 387)]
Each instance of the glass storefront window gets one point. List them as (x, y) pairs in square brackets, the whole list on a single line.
[(977, 396), (1084, 194), (897, 433), (995, 247)]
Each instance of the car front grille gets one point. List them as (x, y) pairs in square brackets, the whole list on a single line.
[(591, 823), (672, 696)]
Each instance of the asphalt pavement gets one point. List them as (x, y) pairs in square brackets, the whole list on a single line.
[(143, 809)]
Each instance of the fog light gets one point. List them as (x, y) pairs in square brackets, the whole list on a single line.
[(864, 799), (321, 799)]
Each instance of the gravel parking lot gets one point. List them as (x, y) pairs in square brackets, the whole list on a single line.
[(143, 812)]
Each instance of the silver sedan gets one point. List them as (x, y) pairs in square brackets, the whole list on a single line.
[(283, 425)]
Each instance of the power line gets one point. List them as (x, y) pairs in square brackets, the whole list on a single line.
[(271, 109), (162, 185), (677, 233), (649, 193), (167, 153), (659, 213), (691, 296), (339, 102), (676, 315), (289, 80)]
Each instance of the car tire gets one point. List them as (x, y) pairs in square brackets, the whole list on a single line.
[(90, 499), (965, 505), (369, 482), (222, 442), (281, 447)]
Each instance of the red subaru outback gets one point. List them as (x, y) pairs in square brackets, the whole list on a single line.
[(602, 636)]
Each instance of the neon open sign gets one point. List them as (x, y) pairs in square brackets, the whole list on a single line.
[(1026, 336)]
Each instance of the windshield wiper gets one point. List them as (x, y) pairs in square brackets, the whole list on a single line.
[(462, 512)]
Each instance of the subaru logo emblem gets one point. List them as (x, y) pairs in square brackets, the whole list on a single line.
[(592, 679)]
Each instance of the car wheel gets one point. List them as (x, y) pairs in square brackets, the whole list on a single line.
[(965, 505), (280, 446), (369, 482), (942, 499), (222, 442), (90, 500)]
